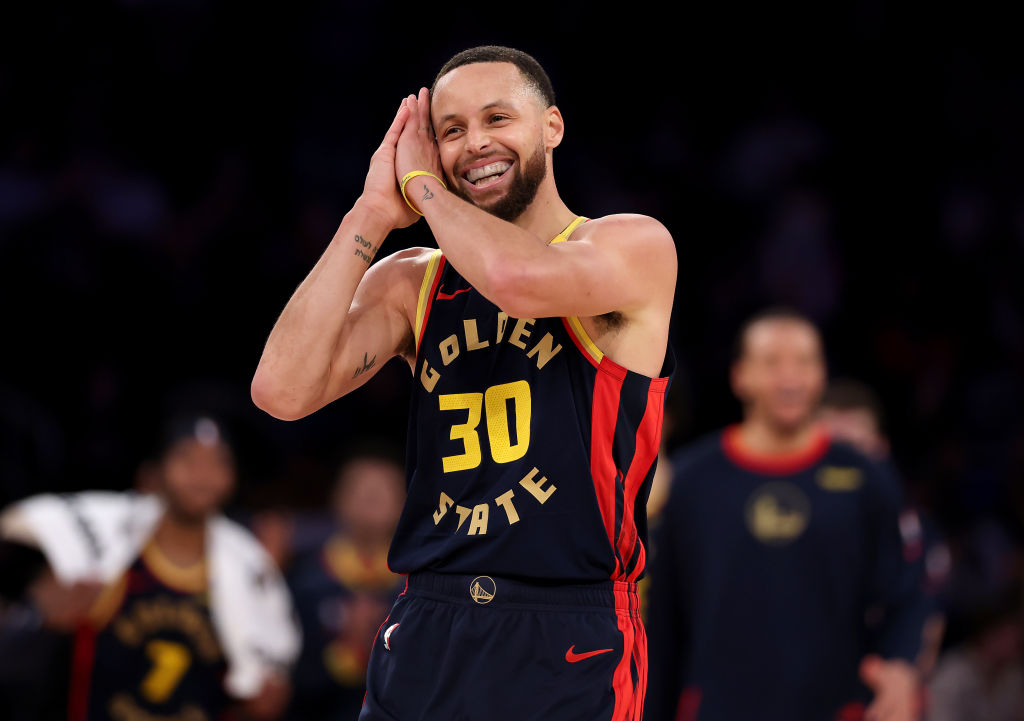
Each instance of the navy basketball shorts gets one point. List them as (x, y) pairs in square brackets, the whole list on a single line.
[(462, 648)]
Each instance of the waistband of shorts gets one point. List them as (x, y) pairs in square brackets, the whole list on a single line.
[(498, 591)]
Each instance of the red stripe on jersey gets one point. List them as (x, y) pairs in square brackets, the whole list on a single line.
[(607, 391), (648, 438), (622, 678), (430, 300), (83, 658)]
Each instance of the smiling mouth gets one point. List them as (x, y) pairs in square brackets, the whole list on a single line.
[(487, 175)]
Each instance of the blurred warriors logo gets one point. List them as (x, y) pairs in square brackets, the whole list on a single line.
[(482, 589), (839, 480), (777, 513)]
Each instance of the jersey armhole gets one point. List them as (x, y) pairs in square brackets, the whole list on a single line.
[(428, 286)]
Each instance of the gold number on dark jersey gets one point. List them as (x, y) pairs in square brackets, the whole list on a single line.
[(495, 402), (170, 662)]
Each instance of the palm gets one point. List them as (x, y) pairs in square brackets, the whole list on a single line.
[(380, 188)]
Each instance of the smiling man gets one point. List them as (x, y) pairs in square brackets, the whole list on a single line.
[(538, 343), (779, 583)]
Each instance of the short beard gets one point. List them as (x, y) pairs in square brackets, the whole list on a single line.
[(526, 181)]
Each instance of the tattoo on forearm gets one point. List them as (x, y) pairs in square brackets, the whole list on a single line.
[(370, 247), (427, 195), (367, 365)]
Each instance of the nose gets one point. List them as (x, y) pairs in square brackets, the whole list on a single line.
[(478, 139)]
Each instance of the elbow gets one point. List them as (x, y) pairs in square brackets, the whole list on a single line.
[(270, 397), (508, 288)]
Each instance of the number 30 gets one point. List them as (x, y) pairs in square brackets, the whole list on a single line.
[(495, 401)]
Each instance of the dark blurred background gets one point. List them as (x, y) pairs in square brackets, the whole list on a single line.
[(171, 169)]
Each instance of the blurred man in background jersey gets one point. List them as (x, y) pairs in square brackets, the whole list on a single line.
[(852, 413), (777, 550), (176, 612), (343, 589)]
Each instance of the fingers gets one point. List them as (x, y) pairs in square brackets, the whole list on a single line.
[(423, 101), (395, 131)]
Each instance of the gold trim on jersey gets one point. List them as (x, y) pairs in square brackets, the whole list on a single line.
[(190, 579), (575, 327), (423, 301), (585, 343), (564, 235)]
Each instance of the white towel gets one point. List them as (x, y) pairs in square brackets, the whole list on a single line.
[(98, 535)]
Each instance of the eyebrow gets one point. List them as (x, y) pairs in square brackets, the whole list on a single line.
[(492, 104)]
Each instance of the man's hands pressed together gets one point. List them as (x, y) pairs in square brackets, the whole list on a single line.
[(417, 150)]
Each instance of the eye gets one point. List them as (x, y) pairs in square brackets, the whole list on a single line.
[(451, 130), (498, 117)]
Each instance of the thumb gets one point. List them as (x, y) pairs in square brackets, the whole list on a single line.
[(871, 670)]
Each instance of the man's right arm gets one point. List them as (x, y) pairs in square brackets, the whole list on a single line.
[(346, 320)]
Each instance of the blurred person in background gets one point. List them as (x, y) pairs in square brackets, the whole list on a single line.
[(775, 546), (174, 610), (343, 589), (852, 413), (983, 679)]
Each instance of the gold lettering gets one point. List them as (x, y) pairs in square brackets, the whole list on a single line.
[(521, 331), (502, 319), (442, 507), (449, 348), (478, 526), (472, 338), (463, 515), (505, 501), (429, 377), (543, 350), (535, 487)]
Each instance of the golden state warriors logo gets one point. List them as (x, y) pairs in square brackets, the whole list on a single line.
[(840, 480), (482, 589), (777, 513)]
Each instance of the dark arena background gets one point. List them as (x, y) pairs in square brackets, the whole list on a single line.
[(171, 169)]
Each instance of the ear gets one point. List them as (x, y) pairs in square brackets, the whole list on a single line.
[(554, 127)]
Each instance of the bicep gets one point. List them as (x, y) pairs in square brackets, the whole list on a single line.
[(378, 326), (622, 264)]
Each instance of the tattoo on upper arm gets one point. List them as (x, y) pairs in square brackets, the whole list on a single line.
[(367, 365), (370, 248), (427, 195)]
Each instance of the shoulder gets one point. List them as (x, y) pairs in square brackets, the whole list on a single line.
[(633, 228), (408, 265), (697, 457), (879, 477), (236, 540)]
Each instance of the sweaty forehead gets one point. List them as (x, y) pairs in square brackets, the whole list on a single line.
[(469, 88)]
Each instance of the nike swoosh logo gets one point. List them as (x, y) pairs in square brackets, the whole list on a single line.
[(572, 657), (441, 295)]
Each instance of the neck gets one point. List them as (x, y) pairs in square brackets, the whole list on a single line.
[(547, 215), (760, 436), (181, 539)]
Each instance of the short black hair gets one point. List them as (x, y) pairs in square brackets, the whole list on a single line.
[(775, 312), (527, 64), (847, 394)]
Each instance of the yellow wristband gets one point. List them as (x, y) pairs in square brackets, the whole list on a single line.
[(409, 176)]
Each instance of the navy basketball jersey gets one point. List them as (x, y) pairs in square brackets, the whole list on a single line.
[(150, 649), (530, 453)]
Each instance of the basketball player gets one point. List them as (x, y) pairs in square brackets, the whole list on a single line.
[(537, 341), (851, 412), (147, 645), (778, 575), (343, 589)]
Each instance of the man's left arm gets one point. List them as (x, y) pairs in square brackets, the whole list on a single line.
[(618, 264), (900, 602)]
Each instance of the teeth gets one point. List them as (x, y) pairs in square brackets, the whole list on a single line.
[(477, 174)]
